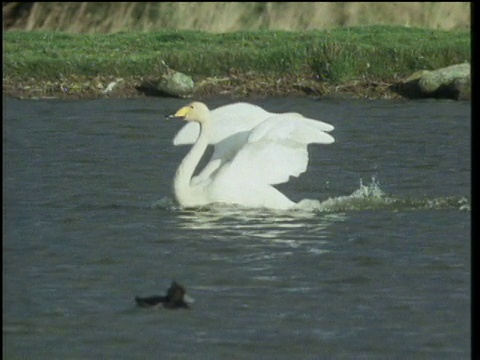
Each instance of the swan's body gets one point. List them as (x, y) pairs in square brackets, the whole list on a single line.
[(254, 149)]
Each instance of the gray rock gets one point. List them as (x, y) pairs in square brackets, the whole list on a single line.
[(452, 82), (431, 81), (463, 87), (176, 84)]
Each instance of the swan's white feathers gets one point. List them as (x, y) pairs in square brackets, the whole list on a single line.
[(231, 119), (265, 163), (254, 149), (226, 120), (288, 127), (235, 124), (276, 149)]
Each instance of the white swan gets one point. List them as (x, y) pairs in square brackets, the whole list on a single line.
[(254, 149)]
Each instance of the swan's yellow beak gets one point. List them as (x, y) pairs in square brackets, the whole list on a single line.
[(182, 112)]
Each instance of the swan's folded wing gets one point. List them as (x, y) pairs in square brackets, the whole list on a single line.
[(276, 149), (226, 121)]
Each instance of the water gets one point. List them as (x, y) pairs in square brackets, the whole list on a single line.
[(380, 270)]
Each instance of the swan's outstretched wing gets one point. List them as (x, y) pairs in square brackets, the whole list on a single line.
[(231, 126), (231, 119), (275, 150)]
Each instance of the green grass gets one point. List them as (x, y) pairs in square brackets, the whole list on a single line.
[(378, 52)]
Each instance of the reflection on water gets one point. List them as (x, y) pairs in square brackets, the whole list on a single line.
[(261, 223)]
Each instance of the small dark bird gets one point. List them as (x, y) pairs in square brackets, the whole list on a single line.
[(175, 298)]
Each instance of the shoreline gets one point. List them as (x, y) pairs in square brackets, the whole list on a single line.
[(373, 62), (237, 87)]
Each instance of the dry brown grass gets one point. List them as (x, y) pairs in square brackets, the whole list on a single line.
[(105, 17)]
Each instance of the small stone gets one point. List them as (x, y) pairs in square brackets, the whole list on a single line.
[(175, 84)]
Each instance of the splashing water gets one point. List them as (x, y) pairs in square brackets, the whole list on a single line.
[(371, 197), (370, 191), (366, 197)]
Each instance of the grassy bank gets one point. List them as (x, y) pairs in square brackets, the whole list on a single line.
[(318, 58)]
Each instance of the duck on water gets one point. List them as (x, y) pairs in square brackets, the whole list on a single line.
[(176, 298)]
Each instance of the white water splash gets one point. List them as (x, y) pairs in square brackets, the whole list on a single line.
[(366, 197), (372, 197)]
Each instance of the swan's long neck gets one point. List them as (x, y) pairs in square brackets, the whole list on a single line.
[(184, 191)]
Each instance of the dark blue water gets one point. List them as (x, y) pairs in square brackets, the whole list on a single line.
[(382, 270)]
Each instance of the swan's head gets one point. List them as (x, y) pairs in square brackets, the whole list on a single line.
[(195, 111)]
